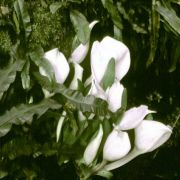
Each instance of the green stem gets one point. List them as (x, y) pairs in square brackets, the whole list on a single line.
[(122, 161), (99, 167)]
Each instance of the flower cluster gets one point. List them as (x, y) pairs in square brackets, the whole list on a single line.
[(110, 61)]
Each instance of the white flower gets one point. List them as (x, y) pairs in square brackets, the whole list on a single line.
[(101, 54), (59, 65), (80, 52), (149, 135), (92, 148), (133, 117), (116, 146)]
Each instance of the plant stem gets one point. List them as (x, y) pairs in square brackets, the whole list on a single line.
[(122, 161)]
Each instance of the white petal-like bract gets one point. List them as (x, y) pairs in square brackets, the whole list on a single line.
[(115, 96), (149, 135), (59, 64), (92, 148), (102, 52), (133, 117), (80, 52), (116, 146)]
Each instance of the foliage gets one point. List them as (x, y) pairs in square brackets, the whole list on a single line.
[(28, 120)]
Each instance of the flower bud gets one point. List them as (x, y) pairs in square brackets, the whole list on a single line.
[(80, 52), (133, 117), (115, 96), (116, 146), (149, 135), (92, 148)]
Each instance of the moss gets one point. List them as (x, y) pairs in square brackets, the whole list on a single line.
[(48, 30), (5, 42)]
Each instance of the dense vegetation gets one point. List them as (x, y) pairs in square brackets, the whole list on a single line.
[(151, 30)]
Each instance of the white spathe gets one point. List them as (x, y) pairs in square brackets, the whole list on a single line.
[(113, 94), (92, 148), (149, 135), (116, 146), (114, 98), (133, 117), (102, 52), (79, 53), (59, 65)]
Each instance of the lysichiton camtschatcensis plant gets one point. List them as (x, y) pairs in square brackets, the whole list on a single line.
[(99, 135)]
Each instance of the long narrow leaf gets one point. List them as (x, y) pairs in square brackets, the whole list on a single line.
[(25, 112), (83, 103), (7, 76), (170, 17), (154, 33), (23, 16)]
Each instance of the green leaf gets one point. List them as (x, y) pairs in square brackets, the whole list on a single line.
[(83, 103), (88, 132), (175, 55), (7, 76), (113, 11), (23, 16), (124, 99), (109, 76), (154, 33), (105, 174), (170, 17), (81, 26), (16, 22), (5, 129), (117, 33), (149, 117), (25, 112), (37, 57), (25, 77), (55, 6), (3, 174)]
